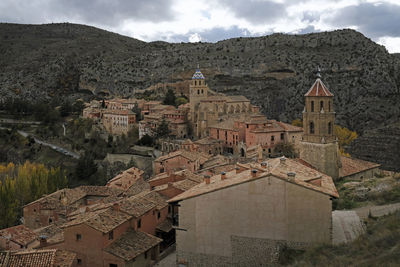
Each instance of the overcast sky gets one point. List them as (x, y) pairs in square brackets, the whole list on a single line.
[(211, 21)]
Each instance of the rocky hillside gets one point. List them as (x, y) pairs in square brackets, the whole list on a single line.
[(273, 71)]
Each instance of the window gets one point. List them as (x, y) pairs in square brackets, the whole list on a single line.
[(169, 209), (282, 136), (330, 128), (139, 223), (272, 138), (78, 237), (195, 82), (79, 261), (312, 106), (269, 150), (113, 265), (198, 92), (111, 235), (311, 127), (321, 105), (202, 91), (50, 220), (247, 126), (145, 254)]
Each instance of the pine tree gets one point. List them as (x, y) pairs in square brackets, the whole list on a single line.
[(169, 98), (162, 129)]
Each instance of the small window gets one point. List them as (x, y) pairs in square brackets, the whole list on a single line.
[(272, 138), (321, 105), (269, 150), (50, 220), (139, 223), (113, 265), (282, 136), (329, 128), (198, 92), (34, 210), (329, 106), (145, 254), (158, 215), (78, 237), (311, 127), (247, 126), (169, 209), (195, 82), (312, 106), (111, 235), (79, 261)]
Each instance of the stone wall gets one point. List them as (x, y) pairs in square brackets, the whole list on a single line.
[(324, 157)]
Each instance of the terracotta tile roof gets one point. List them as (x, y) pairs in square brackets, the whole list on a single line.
[(290, 128), (185, 184), (64, 258), (271, 126), (192, 156), (102, 220), (318, 89), (207, 141), (237, 98), (141, 203), (352, 166), (19, 234), (126, 179), (255, 119), (138, 187), (36, 258), (275, 169), (165, 226), (225, 125), (132, 244), (53, 233)]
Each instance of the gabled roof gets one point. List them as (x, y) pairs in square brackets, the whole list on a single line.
[(192, 156), (352, 166), (304, 177), (19, 234), (42, 258), (131, 244), (318, 89)]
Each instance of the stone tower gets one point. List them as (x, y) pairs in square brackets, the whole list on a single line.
[(319, 146), (198, 90)]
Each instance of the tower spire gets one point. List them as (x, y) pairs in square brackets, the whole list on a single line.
[(318, 72)]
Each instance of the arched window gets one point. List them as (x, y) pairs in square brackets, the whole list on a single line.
[(312, 106), (329, 106), (199, 82), (195, 82), (321, 105), (198, 92), (202, 91), (329, 127), (311, 127)]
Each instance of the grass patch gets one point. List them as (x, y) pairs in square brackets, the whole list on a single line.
[(379, 246)]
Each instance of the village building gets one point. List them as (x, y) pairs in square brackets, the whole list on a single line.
[(126, 179), (250, 213), (180, 160), (56, 206), (206, 145), (118, 122), (42, 258), (357, 169), (17, 238), (123, 104), (91, 113)]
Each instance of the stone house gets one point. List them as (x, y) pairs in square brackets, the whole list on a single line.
[(17, 238), (245, 216), (357, 169), (124, 104), (179, 160)]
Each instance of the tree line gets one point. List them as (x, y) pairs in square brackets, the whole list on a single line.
[(22, 184)]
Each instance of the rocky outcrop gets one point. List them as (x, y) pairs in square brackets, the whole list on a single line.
[(274, 72)]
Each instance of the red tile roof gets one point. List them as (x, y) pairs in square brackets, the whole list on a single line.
[(19, 234), (318, 89), (352, 166), (36, 258)]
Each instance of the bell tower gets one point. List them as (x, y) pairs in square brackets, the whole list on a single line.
[(319, 146), (198, 90)]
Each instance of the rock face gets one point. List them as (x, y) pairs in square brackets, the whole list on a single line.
[(41, 61)]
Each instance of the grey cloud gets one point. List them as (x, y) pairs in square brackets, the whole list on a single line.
[(213, 35), (255, 11), (372, 20), (308, 29), (108, 13)]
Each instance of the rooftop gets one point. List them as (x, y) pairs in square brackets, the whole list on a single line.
[(352, 166), (318, 89), (305, 177), (19, 234), (192, 156), (131, 244), (42, 258), (198, 75)]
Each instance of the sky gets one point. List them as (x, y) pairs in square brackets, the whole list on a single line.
[(215, 20)]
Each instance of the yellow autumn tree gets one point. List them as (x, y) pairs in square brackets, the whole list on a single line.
[(297, 122), (21, 184), (345, 137)]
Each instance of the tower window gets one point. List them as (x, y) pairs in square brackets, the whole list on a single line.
[(311, 127), (199, 82), (195, 82), (202, 91), (329, 106), (330, 128), (321, 105), (312, 106), (198, 92)]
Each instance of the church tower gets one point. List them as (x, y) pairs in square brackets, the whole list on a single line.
[(198, 90), (319, 146)]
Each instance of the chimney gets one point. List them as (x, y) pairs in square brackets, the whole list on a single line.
[(207, 179), (223, 175), (283, 160), (291, 176), (264, 165), (43, 240), (115, 206), (253, 173)]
